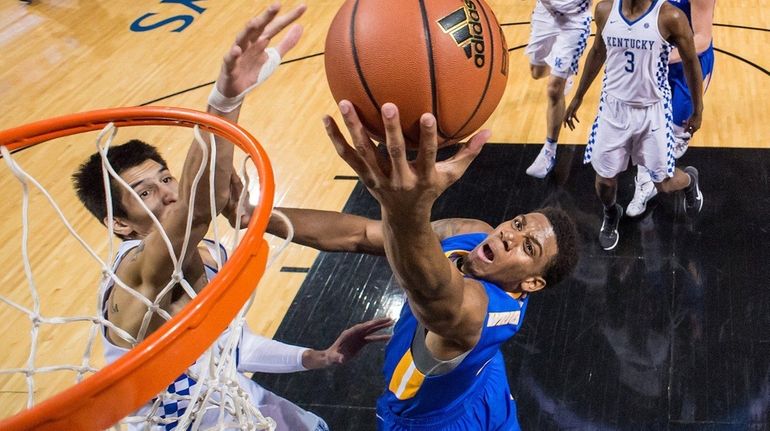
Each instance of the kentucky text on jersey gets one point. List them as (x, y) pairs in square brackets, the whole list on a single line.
[(624, 42)]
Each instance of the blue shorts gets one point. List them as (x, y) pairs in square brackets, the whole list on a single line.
[(491, 409), (681, 103)]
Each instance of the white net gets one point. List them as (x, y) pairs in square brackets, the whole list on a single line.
[(212, 393)]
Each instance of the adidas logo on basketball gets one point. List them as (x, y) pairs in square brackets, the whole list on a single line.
[(464, 25)]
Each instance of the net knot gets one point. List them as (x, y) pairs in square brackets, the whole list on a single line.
[(177, 276)]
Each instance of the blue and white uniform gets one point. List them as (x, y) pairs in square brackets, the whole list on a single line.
[(473, 394), (634, 119), (252, 354), (681, 101), (559, 34)]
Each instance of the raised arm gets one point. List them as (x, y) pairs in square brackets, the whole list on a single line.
[(677, 31), (241, 69), (594, 61), (702, 15), (440, 297)]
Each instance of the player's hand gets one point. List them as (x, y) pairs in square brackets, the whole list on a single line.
[(570, 114), (231, 208), (245, 59), (353, 339), (693, 123), (398, 184)]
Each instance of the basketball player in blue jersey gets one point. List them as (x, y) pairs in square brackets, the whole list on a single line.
[(142, 260), (467, 283), (633, 41), (700, 14), (558, 36)]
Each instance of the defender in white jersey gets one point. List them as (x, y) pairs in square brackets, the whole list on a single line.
[(633, 41), (700, 13), (143, 262), (559, 33), (254, 354)]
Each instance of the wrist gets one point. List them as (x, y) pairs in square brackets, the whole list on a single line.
[(222, 103), (407, 218), (315, 359)]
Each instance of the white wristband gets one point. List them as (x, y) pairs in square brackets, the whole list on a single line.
[(223, 103)]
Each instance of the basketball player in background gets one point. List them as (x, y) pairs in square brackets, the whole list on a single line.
[(143, 263), (700, 14), (560, 29), (467, 283), (633, 41)]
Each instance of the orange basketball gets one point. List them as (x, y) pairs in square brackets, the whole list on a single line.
[(446, 57)]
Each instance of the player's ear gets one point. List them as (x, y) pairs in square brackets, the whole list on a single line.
[(119, 227), (532, 284)]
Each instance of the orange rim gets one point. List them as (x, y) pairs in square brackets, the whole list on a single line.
[(122, 387)]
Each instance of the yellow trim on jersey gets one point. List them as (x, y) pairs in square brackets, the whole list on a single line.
[(406, 379), (458, 253)]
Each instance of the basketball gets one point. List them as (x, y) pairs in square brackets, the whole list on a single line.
[(446, 57)]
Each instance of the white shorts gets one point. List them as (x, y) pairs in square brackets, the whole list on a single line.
[(558, 40), (620, 132)]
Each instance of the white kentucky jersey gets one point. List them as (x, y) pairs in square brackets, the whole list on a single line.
[(636, 68), (174, 402), (566, 7)]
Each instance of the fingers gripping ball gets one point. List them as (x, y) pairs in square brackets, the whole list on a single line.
[(446, 57)]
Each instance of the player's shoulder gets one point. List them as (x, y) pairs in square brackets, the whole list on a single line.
[(602, 10), (449, 227), (668, 10), (671, 16), (604, 7), (127, 260)]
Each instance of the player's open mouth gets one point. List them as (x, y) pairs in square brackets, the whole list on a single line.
[(486, 253)]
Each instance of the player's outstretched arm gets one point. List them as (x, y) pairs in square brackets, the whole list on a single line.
[(339, 232), (265, 355), (594, 61), (677, 31), (406, 191), (244, 65), (330, 230)]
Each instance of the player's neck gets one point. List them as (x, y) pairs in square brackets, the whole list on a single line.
[(635, 8)]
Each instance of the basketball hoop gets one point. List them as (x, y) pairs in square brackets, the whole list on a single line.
[(120, 388)]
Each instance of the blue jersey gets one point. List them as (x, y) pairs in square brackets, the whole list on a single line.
[(474, 395), (684, 5), (681, 101)]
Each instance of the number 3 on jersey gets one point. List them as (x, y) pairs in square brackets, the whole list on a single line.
[(629, 62)]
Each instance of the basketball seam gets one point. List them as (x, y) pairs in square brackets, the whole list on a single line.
[(489, 75), (431, 67), (359, 71)]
